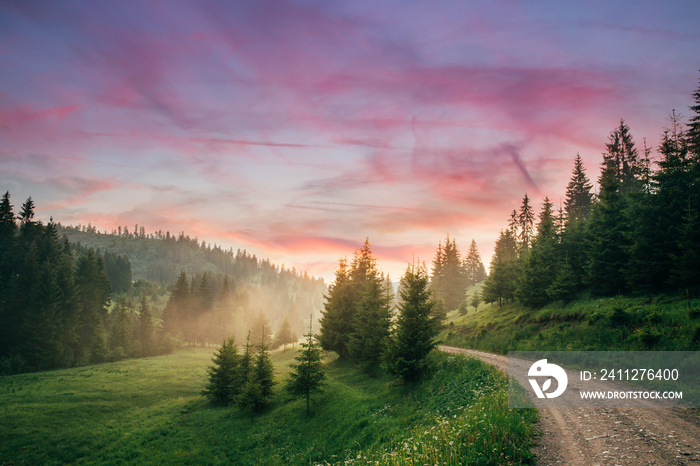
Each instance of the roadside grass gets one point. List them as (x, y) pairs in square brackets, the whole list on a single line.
[(151, 411), (620, 323)]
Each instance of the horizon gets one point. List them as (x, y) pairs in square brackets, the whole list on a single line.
[(295, 131)]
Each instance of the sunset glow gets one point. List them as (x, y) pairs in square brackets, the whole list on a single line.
[(296, 129)]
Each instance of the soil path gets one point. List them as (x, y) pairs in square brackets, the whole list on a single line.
[(586, 436)]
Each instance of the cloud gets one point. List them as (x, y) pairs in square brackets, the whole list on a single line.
[(300, 128)]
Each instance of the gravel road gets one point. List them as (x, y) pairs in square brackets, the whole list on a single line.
[(586, 436)]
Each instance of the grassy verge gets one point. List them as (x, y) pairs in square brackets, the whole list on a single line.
[(621, 323), (150, 411)]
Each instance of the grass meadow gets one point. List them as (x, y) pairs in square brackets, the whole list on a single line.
[(657, 323), (150, 411)]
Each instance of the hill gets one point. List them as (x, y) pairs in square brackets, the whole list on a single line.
[(159, 258), (622, 323)]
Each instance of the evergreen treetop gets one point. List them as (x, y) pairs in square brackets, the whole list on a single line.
[(579, 198)]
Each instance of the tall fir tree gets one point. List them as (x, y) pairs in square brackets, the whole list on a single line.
[(577, 211), (500, 285), (454, 277), (437, 279), (539, 266), (339, 312), (621, 161), (473, 266), (357, 313), (526, 219), (579, 198), (416, 327), (608, 229), (371, 325)]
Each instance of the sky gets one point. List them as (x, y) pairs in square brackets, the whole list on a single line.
[(296, 129)]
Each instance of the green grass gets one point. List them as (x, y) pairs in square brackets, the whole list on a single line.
[(621, 323), (150, 411)]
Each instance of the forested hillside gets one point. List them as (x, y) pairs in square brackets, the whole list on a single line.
[(71, 296), (160, 257), (202, 276)]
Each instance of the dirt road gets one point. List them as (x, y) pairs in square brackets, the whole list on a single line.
[(586, 436)]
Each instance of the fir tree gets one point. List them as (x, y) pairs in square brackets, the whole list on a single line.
[(371, 325), (41, 342), (526, 220), (307, 376), (437, 279), (416, 327), (692, 137), (621, 161), (7, 220), (607, 239), (26, 215), (538, 269), (256, 394), (454, 277), (284, 335), (338, 314), (500, 285), (473, 266), (573, 240), (449, 280), (611, 223), (223, 373), (463, 308), (579, 199), (244, 371), (686, 273), (357, 312), (563, 286)]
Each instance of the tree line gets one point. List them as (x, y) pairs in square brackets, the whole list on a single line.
[(160, 257), (358, 321), (53, 302), (452, 275), (158, 260), (65, 304), (639, 234), (247, 380)]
